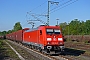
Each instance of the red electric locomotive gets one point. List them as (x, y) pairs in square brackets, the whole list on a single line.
[(45, 38)]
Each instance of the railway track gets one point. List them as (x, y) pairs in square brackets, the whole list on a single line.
[(38, 55), (78, 45), (68, 54), (82, 48), (74, 54)]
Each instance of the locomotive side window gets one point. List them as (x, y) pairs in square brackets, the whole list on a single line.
[(40, 32)]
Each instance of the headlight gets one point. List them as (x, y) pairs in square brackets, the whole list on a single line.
[(60, 39), (49, 39)]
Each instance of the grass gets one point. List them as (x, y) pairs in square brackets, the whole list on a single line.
[(24, 53), (0, 44), (6, 52)]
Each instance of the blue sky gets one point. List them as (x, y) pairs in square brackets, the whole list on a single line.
[(12, 11)]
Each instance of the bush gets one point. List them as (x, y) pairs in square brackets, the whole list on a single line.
[(86, 41), (0, 44)]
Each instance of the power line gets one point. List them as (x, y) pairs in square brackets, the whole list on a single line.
[(61, 5), (64, 6), (58, 6), (39, 6), (45, 11), (37, 19), (33, 13), (35, 9)]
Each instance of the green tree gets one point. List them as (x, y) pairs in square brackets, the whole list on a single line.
[(87, 27), (64, 28), (74, 27), (82, 28), (3, 33), (9, 31), (0, 33), (17, 26)]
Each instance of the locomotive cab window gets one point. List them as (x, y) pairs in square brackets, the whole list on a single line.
[(49, 31), (56, 31), (40, 32), (52, 31)]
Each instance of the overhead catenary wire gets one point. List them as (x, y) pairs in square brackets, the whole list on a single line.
[(45, 11), (65, 3), (58, 6), (39, 6), (33, 10), (61, 5), (37, 19), (64, 6)]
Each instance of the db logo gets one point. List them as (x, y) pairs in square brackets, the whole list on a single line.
[(54, 38)]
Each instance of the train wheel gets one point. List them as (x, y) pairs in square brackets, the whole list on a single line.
[(31, 47), (40, 49)]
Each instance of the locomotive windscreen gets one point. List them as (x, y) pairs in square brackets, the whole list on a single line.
[(52, 31)]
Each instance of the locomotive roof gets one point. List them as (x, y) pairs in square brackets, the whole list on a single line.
[(32, 29)]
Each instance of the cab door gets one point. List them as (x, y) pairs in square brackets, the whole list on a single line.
[(41, 37)]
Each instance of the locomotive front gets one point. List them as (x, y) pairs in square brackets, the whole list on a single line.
[(53, 39)]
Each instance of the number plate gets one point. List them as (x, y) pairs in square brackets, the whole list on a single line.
[(54, 42)]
